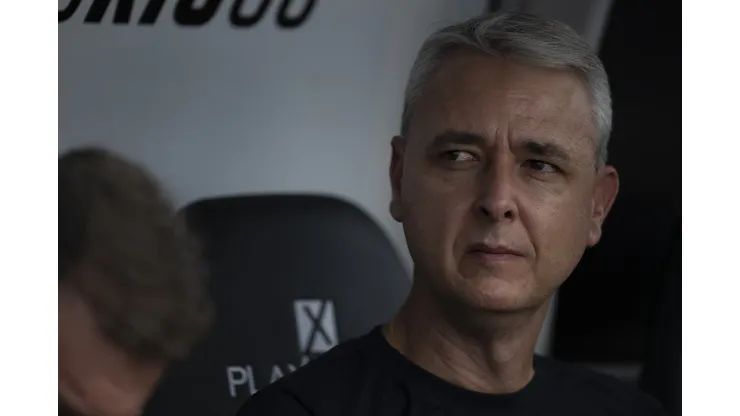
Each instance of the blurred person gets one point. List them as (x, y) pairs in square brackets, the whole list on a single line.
[(500, 181), (132, 295)]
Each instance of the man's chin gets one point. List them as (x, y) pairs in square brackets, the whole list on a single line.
[(500, 304), (497, 295)]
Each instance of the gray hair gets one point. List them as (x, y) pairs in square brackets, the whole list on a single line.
[(525, 39)]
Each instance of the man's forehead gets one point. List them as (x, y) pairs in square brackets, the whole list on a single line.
[(474, 91)]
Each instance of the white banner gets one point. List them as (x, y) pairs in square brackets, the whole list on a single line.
[(230, 96)]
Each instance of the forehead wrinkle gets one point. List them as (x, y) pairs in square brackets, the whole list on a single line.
[(533, 104)]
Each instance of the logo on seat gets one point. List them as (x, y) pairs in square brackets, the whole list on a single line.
[(316, 325), (317, 333)]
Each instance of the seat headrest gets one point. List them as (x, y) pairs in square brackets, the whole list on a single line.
[(291, 276)]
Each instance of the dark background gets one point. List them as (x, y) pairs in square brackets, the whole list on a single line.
[(605, 307)]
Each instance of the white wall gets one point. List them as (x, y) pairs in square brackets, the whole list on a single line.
[(217, 110)]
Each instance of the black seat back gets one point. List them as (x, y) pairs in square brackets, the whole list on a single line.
[(291, 276)]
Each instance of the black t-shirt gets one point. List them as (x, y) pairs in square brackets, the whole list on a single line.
[(366, 376)]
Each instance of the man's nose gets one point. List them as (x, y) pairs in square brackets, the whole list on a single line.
[(496, 201)]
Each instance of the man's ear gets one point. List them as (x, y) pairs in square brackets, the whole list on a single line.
[(398, 146), (605, 192)]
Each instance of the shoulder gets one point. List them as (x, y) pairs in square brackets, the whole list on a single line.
[(597, 390), (320, 383), (273, 402)]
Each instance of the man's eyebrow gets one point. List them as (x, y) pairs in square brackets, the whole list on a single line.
[(451, 137), (537, 147), (546, 149)]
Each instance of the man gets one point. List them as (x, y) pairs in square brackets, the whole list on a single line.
[(131, 291), (500, 181)]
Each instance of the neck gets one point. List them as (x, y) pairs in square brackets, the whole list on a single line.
[(483, 351)]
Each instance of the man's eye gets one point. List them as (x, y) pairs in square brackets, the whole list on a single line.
[(541, 167), (459, 156)]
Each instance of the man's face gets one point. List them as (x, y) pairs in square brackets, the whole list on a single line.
[(497, 183)]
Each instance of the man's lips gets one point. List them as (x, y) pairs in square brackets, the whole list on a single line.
[(498, 251)]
